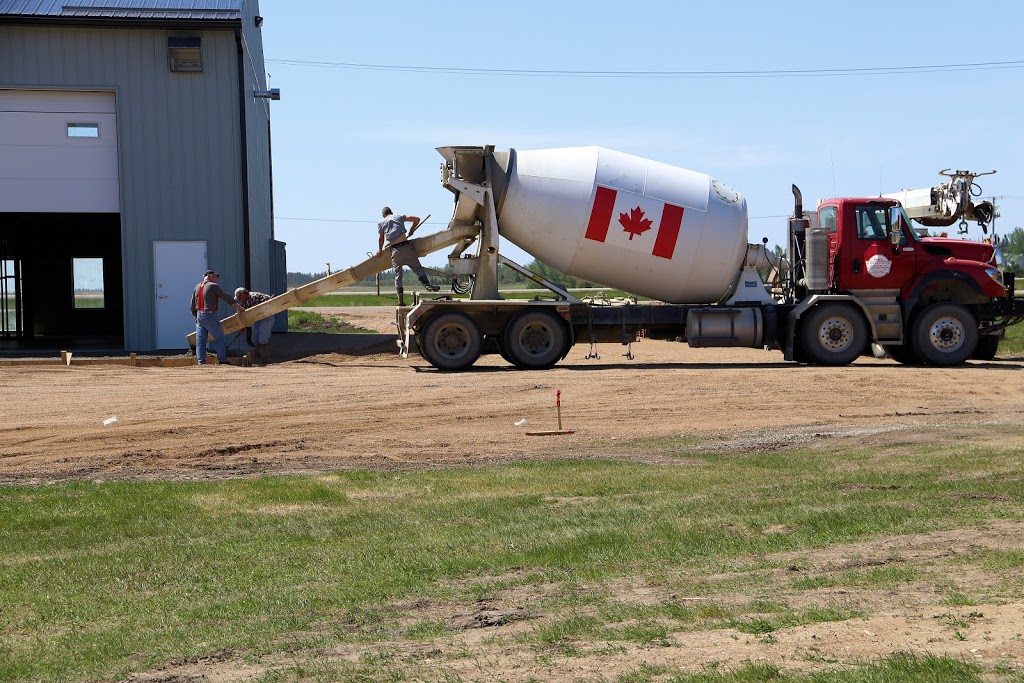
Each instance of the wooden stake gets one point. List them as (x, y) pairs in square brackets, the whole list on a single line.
[(552, 432)]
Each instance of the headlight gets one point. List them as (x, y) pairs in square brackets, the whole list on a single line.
[(995, 274)]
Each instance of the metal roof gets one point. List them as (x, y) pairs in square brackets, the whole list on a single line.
[(190, 10)]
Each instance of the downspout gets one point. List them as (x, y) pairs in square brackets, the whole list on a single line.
[(246, 246)]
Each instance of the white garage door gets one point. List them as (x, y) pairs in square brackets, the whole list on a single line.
[(58, 152)]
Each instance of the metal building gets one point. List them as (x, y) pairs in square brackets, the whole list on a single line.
[(134, 155)]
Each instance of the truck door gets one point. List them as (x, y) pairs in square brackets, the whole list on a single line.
[(873, 261)]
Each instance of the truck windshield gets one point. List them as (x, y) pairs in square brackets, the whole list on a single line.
[(913, 234)]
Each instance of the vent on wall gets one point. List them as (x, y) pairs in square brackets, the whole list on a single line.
[(185, 54)]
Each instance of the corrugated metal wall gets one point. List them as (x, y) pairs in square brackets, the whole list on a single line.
[(179, 140), (278, 281)]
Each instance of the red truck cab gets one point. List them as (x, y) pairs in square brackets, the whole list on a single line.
[(944, 291), (873, 246)]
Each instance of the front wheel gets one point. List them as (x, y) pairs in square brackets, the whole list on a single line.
[(535, 340), (834, 333), (988, 345), (945, 334), (451, 341)]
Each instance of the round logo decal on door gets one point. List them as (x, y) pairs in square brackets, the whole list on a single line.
[(878, 266)]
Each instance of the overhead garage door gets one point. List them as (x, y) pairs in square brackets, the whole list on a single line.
[(58, 152)]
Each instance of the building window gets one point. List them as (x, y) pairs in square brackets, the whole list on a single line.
[(185, 54), (83, 130), (88, 277), (10, 294)]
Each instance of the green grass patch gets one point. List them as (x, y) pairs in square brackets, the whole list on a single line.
[(1014, 340), (306, 321), (899, 668), (99, 580)]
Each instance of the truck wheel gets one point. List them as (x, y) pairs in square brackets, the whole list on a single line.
[(451, 341), (903, 354), (534, 340), (945, 334), (502, 351), (834, 334), (987, 347)]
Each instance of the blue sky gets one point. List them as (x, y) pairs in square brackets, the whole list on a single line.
[(347, 141)]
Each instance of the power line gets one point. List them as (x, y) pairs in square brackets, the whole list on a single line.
[(570, 73), (323, 220)]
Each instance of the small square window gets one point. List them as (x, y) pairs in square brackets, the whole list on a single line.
[(185, 54), (88, 279), (83, 130)]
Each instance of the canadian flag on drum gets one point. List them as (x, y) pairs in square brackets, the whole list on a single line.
[(634, 222)]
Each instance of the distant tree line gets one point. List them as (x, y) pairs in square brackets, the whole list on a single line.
[(506, 276), (1012, 245)]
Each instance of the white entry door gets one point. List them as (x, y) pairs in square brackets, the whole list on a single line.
[(178, 267)]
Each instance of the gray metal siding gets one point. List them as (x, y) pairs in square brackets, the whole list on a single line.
[(257, 123), (179, 141), (278, 281)]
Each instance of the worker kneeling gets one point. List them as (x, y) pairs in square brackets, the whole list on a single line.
[(262, 329)]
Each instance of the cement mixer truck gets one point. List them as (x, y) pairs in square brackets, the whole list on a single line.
[(855, 275)]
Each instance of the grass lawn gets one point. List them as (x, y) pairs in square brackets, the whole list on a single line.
[(306, 321), (100, 580)]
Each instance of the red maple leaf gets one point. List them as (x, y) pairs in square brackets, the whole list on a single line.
[(635, 223)]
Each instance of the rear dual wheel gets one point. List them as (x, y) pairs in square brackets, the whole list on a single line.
[(451, 341), (534, 340)]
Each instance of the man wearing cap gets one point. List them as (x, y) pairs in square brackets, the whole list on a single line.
[(392, 229), (263, 328), (204, 310)]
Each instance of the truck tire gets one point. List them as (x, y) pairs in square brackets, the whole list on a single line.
[(945, 334), (988, 346), (903, 354), (450, 341), (834, 333), (535, 340)]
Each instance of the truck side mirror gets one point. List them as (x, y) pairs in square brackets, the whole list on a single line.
[(895, 236)]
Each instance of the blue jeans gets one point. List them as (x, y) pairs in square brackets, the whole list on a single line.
[(261, 331), (208, 322)]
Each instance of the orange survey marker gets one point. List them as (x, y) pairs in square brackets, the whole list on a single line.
[(551, 432)]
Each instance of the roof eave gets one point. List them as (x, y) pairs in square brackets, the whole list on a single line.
[(119, 22)]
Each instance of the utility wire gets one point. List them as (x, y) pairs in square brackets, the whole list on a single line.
[(569, 73)]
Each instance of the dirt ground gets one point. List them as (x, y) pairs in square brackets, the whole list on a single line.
[(330, 402)]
